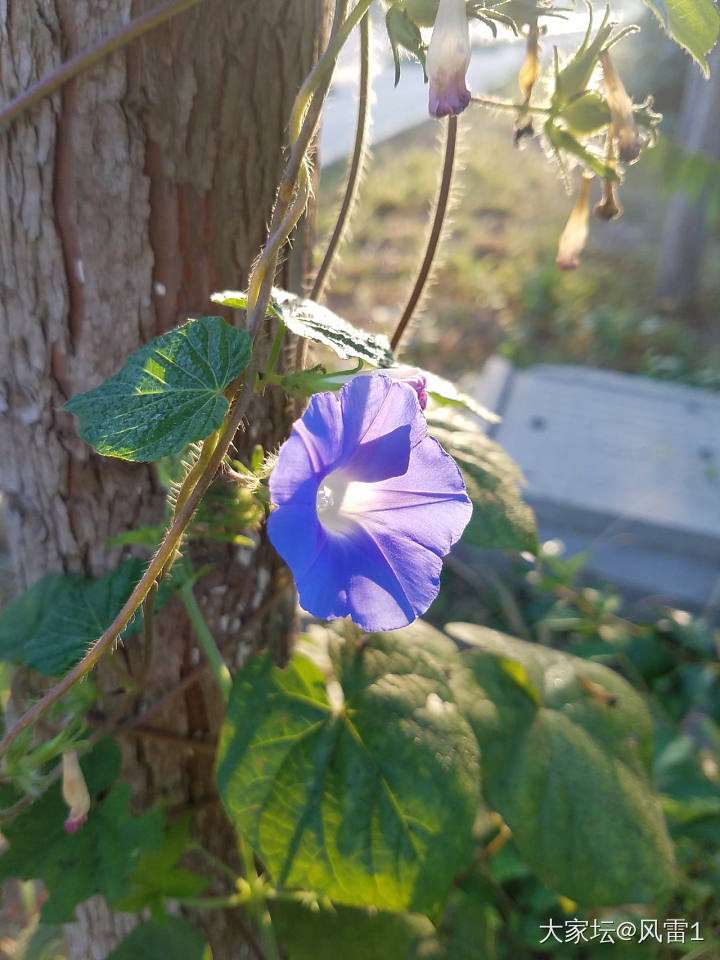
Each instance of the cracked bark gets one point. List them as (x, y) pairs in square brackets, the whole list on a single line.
[(128, 198)]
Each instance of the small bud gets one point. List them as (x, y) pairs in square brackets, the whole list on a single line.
[(530, 70), (629, 141), (574, 236), (608, 208), (412, 376), (74, 791), (448, 58)]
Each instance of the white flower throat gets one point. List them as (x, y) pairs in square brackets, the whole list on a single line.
[(340, 500)]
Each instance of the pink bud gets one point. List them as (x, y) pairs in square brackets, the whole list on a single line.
[(448, 58), (412, 376), (74, 791)]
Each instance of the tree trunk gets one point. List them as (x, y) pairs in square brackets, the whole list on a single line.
[(125, 200), (683, 239)]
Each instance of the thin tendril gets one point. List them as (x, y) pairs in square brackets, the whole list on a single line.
[(434, 236), (356, 163)]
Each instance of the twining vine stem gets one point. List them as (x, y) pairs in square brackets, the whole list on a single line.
[(435, 233), (356, 163), (88, 58), (285, 215)]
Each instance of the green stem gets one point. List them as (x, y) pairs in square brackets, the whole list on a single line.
[(157, 564), (275, 350), (324, 67), (207, 641), (435, 233), (497, 104), (356, 163), (294, 187), (257, 901), (88, 58)]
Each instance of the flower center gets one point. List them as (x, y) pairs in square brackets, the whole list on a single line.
[(338, 499), (330, 496)]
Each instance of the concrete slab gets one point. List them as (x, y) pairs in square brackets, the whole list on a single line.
[(622, 466)]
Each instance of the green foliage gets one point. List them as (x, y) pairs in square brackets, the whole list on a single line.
[(445, 394), (568, 742), (500, 519), (404, 33), (21, 619), (173, 937), (99, 858), (168, 394), (51, 625), (308, 319), (157, 876), (316, 934), (694, 24), (369, 802)]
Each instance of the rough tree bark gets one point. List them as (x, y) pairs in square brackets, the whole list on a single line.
[(125, 200), (683, 238)]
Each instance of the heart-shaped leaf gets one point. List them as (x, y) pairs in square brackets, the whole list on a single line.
[(566, 747), (363, 790), (167, 395)]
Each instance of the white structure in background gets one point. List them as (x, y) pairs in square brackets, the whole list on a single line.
[(623, 467)]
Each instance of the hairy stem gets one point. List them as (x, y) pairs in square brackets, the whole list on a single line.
[(435, 233), (294, 188), (158, 563), (88, 58), (291, 196), (356, 163)]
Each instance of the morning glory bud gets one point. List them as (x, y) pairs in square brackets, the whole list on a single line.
[(574, 236), (448, 58), (629, 141), (75, 792)]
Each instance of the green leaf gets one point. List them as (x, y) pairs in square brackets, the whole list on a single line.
[(568, 768), (157, 876), (404, 32), (21, 619), (167, 395), (308, 319), (316, 934), (446, 394), (81, 611), (99, 858), (500, 519), (369, 802), (174, 938), (693, 24)]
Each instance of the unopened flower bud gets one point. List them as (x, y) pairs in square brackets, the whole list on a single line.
[(530, 70), (608, 208), (414, 378), (74, 791), (629, 141), (574, 236), (448, 58)]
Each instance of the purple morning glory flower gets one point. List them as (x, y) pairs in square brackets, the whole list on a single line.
[(367, 505)]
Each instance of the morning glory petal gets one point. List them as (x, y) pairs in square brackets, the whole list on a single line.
[(427, 505), (367, 505), (310, 452), (353, 571), (297, 536), (382, 422)]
